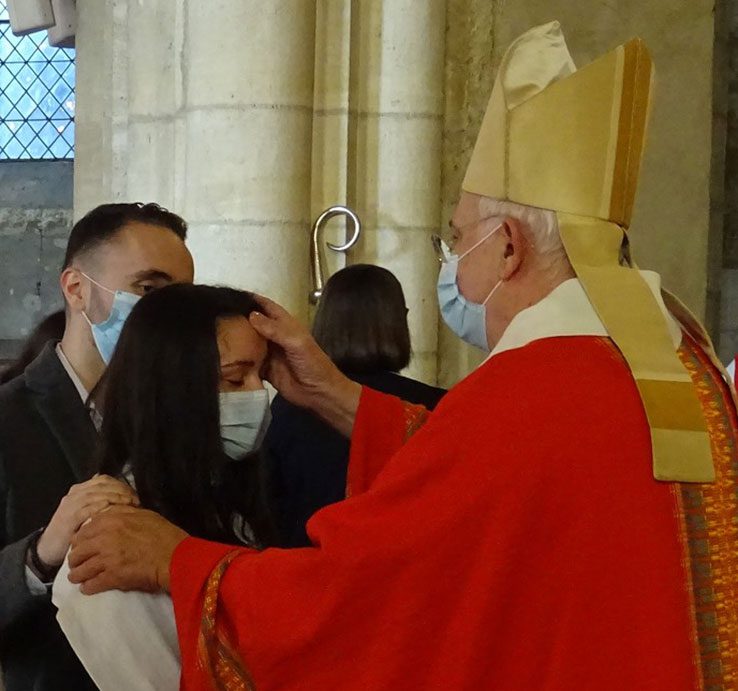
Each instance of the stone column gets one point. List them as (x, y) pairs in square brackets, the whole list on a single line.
[(469, 76), (207, 109), (395, 140), (330, 155)]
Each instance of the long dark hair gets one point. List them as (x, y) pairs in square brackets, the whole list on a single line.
[(50, 329), (161, 415), (361, 321)]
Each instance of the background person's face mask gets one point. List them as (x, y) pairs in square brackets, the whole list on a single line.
[(467, 319), (244, 419), (106, 333)]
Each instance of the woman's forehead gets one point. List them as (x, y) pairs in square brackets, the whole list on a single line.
[(238, 341)]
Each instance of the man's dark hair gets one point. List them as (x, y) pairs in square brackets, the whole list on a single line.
[(161, 419), (105, 221), (361, 321)]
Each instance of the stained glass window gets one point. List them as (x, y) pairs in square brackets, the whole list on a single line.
[(36, 96)]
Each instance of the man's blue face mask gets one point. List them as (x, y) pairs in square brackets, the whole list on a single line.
[(107, 333), (467, 319)]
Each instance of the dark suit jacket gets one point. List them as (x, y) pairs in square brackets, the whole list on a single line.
[(308, 459), (46, 445)]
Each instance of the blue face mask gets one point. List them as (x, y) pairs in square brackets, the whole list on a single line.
[(106, 334), (467, 319), (244, 419)]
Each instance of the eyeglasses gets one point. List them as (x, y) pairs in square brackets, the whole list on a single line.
[(443, 245)]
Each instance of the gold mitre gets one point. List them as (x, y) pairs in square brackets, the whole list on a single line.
[(571, 141)]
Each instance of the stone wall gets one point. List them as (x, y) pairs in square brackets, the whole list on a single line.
[(35, 218)]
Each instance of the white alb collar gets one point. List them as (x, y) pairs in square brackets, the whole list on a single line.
[(566, 311)]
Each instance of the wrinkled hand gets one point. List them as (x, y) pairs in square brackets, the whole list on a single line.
[(301, 371), (124, 549), (81, 503)]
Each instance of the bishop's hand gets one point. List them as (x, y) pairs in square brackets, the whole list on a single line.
[(124, 549), (301, 371)]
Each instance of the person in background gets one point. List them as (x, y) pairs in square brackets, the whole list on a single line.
[(361, 323), (51, 328), (184, 413), (115, 254)]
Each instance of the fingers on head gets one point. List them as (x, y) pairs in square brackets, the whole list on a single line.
[(270, 308)]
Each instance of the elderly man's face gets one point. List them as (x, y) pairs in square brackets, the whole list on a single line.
[(479, 271)]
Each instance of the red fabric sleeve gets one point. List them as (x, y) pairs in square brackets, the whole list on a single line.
[(383, 424), (192, 564)]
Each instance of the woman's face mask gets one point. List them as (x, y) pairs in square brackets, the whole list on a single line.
[(244, 419)]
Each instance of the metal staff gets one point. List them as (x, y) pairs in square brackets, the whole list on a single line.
[(316, 268)]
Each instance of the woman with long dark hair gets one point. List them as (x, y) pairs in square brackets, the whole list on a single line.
[(184, 411), (180, 392), (361, 323)]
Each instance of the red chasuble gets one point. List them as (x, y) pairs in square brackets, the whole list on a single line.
[(516, 541)]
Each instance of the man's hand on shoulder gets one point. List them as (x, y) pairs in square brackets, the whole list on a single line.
[(81, 503), (124, 548)]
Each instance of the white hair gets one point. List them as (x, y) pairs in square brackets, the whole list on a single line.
[(540, 227)]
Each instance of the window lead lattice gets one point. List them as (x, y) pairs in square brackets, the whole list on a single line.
[(36, 96)]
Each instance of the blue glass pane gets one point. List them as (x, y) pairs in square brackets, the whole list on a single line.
[(69, 105), (68, 135), (6, 47), (37, 100), (39, 149), (68, 74), (14, 149), (24, 133), (63, 55), (26, 75), (25, 105), (13, 89), (5, 134), (60, 146)]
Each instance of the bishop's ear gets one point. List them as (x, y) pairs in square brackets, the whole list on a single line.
[(516, 246)]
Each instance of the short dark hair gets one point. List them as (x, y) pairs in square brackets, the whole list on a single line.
[(361, 320), (159, 398), (104, 221)]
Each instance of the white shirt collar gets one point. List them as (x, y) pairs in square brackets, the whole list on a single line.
[(84, 394), (567, 311)]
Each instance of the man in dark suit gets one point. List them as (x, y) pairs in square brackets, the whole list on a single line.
[(115, 254)]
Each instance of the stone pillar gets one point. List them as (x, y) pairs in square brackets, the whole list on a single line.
[(469, 76), (395, 144), (330, 149), (207, 109)]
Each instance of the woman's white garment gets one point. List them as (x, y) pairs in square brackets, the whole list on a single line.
[(124, 640)]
